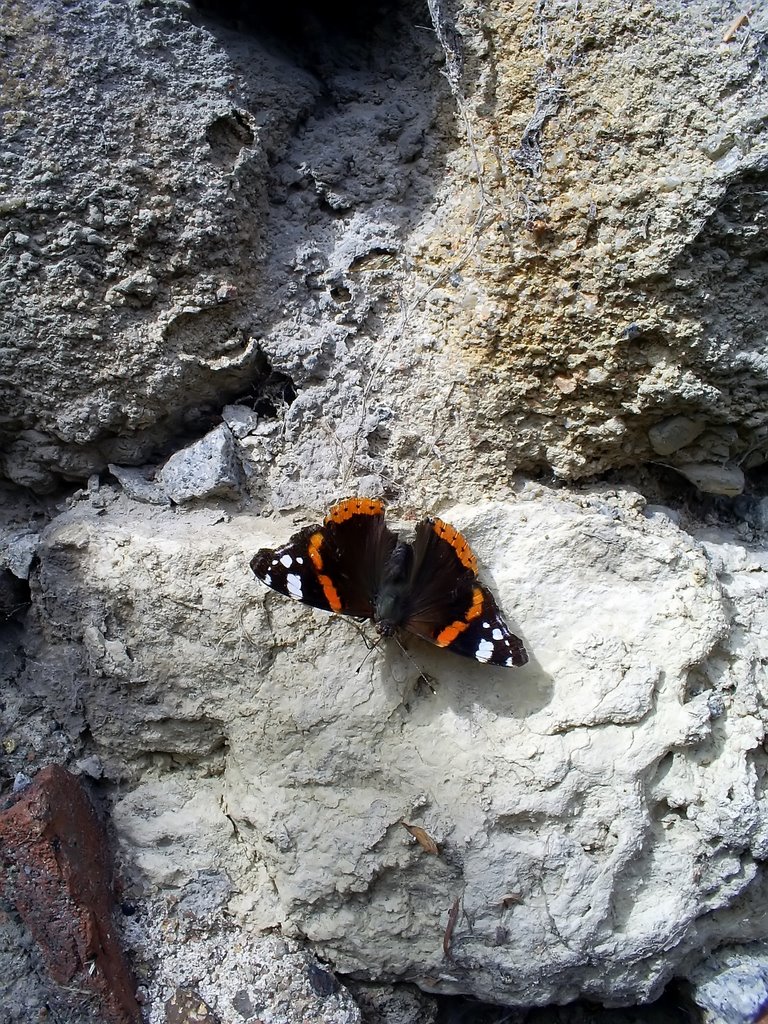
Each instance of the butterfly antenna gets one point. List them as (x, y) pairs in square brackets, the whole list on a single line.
[(372, 645)]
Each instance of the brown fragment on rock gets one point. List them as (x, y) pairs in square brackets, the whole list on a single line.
[(422, 837), (566, 385), (738, 22), (62, 889), (186, 1006), (509, 899), (453, 916)]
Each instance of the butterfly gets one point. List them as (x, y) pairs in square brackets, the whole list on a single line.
[(355, 565)]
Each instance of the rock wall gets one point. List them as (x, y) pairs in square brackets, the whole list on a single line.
[(598, 813), (505, 264)]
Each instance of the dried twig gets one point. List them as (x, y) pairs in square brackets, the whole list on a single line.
[(453, 916), (738, 22)]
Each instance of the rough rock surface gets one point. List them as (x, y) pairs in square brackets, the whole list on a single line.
[(522, 249), (611, 270), (599, 813), (731, 987), (413, 250), (155, 160), (210, 468), (210, 970)]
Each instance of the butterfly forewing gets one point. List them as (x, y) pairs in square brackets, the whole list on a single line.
[(357, 546), (335, 566), (286, 570), (450, 607)]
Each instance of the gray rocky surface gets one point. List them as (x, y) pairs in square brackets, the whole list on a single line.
[(241, 977), (428, 252), (140, 484), (671, 435), (731, 987), (209, 468), (566, 261), (713, 479)]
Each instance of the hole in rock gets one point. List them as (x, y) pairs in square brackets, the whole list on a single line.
[(14, 595), (227, 135), (664, 486), (757, 480), (301, 24), (271, 397), (268, 393)]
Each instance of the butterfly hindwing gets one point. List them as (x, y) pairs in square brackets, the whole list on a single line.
[(484, 635)]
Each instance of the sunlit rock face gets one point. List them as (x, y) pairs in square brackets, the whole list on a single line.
[(598, 814), (461, 259)]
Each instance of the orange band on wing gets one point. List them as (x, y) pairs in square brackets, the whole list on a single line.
[(329, 590), (447, 532), (354, 507), (315, 543), (446, 636)]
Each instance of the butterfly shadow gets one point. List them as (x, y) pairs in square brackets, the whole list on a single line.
[(461, 683)]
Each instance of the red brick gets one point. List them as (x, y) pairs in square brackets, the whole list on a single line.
[(62, 888)]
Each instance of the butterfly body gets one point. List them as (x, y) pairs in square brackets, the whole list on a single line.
[(355, 565), (390, 599)]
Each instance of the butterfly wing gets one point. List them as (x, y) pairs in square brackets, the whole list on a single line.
[(336, 566), (448, 604)]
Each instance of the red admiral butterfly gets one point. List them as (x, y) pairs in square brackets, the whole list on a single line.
[(354, 564)]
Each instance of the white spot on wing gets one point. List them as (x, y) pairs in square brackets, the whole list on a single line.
[(484, 650), (286, 560), (294, 586), (299, 560), (497, 634), (267, 579)]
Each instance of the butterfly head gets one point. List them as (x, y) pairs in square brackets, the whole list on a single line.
[(385, 627)]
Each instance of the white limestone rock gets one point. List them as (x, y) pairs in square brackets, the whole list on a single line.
[(599, 813)]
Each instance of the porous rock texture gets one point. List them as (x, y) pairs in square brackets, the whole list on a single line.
[(521, 249), (423, 251)]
